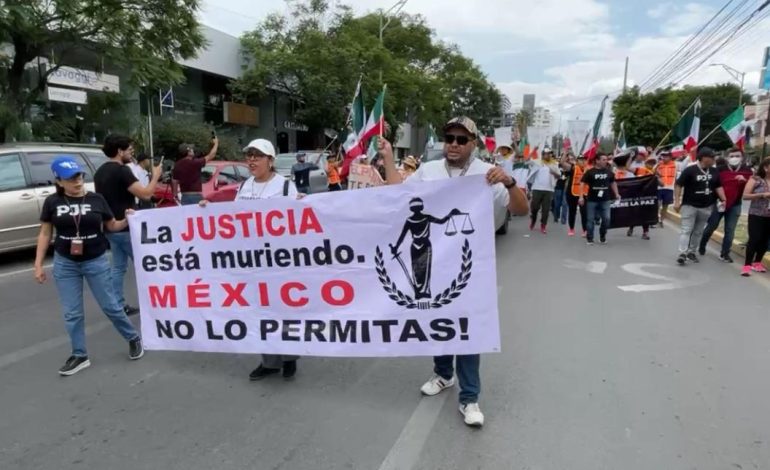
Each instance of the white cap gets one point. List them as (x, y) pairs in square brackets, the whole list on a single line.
[(263, 145)]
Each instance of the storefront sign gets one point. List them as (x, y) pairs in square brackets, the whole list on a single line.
[(66, 95), (86, 79), (295, 126), (237, 113)]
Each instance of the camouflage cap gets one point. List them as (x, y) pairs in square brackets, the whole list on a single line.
[(464, 122)]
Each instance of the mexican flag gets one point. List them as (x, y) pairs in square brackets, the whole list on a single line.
[(432, 138), (375, 125), (734, 126), (687, 130), (524, 147), (591, 152), (621, 144), (353, 146)]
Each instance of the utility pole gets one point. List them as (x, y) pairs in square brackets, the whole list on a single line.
[(737, 75), (394, 10), (625, 77)]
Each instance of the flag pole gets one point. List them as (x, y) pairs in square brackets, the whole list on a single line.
[(709, 135), (657, 147), (382, 124)]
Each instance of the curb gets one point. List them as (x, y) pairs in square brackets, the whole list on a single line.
[(717, 237)]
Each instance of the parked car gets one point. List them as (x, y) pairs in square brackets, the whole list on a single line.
[(318, 181), (220, 181), (26, 180)]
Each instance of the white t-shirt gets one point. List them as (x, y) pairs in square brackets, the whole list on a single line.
[(542, 178), (140, 173), (437, 170), (251, 189)]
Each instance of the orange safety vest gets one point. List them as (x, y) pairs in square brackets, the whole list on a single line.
[(644, 171), (667, 173), (577, 189), (620, 174)]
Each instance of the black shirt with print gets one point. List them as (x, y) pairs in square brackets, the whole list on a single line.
[(112, 181), (66, 214), (699, 186), (599, 183)]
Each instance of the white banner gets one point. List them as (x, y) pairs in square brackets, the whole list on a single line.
[(87, 79), (363, 176), (576, 130), (66, 95), (405, 270)]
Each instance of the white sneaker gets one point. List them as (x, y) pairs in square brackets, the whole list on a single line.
[(473, 415), (436, 384)]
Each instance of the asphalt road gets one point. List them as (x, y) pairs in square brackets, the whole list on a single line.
[(613, 358)]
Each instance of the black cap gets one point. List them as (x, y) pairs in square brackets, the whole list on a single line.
[(706, 152)]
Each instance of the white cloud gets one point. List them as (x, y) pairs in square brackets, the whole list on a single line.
[(594, 56)]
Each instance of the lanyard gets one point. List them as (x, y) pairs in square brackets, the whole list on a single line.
[(464, 170), (76, 218)]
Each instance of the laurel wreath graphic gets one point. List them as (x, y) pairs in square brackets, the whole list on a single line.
[(444, 298)]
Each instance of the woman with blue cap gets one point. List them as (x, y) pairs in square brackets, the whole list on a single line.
[(80, 217)]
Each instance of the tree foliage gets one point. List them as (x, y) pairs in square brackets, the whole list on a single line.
[(146, 37), (317, 55), (649, 117)]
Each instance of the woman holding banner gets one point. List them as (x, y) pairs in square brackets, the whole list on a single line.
[(265, 183)]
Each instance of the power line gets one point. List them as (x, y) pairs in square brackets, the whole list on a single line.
[(673, 56), (729, 38), (707, 42)]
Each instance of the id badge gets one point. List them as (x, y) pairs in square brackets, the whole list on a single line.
[(76, 247), (600, 193)]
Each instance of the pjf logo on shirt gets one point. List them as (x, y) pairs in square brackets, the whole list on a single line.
[(73, 210), (702, 178), (601, 176)]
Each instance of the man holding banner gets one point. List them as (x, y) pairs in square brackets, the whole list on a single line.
[(459, 142)]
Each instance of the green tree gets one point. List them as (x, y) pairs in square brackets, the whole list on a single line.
[(146, 37), (318, 57), (646, 117), (717, 102)]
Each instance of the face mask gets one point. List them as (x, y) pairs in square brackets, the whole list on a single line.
[(734, 161)]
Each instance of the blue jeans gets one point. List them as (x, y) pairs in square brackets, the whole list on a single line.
[(191, 199), (602, 210), (731, 216), (120, 244), (467, 374), (559, 206), (69, 277)]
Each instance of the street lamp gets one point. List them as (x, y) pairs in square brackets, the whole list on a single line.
[(737, 75), (394, 10)]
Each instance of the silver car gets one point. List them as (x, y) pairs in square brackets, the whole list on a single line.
[(26, 180), (318, 180)]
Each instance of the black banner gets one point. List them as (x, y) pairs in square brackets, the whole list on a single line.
[(638, 204)]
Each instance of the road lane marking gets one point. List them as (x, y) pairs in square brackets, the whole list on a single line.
[(47, 345), (692, 278), (594, 267), (407, 449), (20, 271)]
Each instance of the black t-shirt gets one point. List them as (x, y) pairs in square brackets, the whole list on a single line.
[(561, 181), (66, 214), (599, 183), (699, 186), (112, 181)]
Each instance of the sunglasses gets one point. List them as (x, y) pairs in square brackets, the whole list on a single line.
[(460, 139), (252, 155)]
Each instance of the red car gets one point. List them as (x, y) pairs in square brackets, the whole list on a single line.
[(220, 181)]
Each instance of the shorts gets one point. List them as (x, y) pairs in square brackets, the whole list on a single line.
[(666, 196)]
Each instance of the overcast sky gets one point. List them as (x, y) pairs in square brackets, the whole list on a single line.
[(565, 51)]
